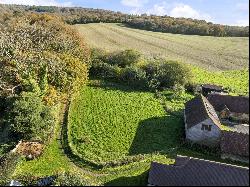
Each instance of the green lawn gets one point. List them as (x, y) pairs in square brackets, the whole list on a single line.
[(108, 124), (236, 81)]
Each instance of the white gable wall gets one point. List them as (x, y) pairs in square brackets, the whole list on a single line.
[(205, 137)]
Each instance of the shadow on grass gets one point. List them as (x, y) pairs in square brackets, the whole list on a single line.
[(140, 180), (159, 134)]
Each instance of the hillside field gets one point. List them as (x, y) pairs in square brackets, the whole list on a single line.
[(211, 53)]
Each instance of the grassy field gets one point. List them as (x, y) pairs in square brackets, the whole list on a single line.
[(108, 124), (212, 53), (235, 81)]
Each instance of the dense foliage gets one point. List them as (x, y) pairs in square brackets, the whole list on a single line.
[(125, 58), (186, 26), (168, 73), (40, 57), (131, 68), (30, 118), (70, 179), (148, 22), (8, 163)]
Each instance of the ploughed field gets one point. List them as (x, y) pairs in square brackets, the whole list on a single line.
[(212, 53)]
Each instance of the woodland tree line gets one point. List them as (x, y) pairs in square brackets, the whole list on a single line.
[(147, 22)]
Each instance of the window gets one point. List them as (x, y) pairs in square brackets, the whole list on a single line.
[(206, 127)]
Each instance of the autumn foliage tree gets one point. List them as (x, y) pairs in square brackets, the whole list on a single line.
[(42, 55)]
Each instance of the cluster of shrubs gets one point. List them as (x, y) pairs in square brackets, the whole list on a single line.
[(41, 58), (131, 67)]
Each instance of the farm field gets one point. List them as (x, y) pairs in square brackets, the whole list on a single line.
[(211, 53)]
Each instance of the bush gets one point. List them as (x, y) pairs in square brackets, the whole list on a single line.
[(133, 76), (8, 164), (167, 74), (128, 67), (98, 55), (30, 118), (125, 58), (105, 71), (171, 73)]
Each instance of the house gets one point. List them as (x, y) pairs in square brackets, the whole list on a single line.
[(210, 88), (202, 124), (197, 172)]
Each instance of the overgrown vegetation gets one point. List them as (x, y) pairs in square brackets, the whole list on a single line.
[(36, 67), (8, 163), (139, 72), (30, 118), (236, 82)]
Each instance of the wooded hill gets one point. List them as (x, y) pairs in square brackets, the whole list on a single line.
[(77, 15)]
